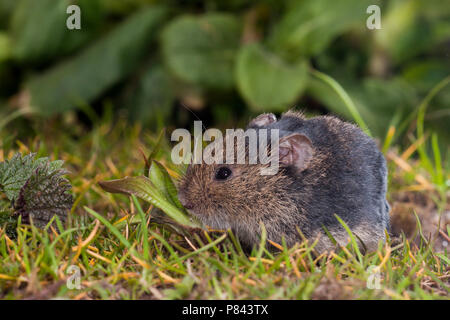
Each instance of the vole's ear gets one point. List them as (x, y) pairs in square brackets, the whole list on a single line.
[(297, 150), (262, 120)]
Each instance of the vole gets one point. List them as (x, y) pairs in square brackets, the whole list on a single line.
[(327, 167)]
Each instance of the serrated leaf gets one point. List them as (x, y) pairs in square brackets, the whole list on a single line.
[(155, 150), (266, 81), (201, 49), (45, 194)]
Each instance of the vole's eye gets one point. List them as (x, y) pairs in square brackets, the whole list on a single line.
[(223, 173)]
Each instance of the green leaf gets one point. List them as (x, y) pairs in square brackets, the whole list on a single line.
[(5, 47), (15, 173), (45, 194), (406, 33), (307, 27), (424, 74), (201, 49), (52, 38), (152, 100), (343, 95), (266, 81), (159, 176), (83, 78), (143, 188), (144, 230)]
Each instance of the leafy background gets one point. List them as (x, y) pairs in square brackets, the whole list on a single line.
[(96, 98), (158, 62)]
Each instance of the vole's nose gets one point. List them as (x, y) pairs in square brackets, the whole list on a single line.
[(186, 203)]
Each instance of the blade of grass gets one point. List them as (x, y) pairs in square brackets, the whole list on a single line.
[(159, 176), (348, 102), (110, 227), (12, 116), (389, 138)]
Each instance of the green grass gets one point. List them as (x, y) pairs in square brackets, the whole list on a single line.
[(122, 254)]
